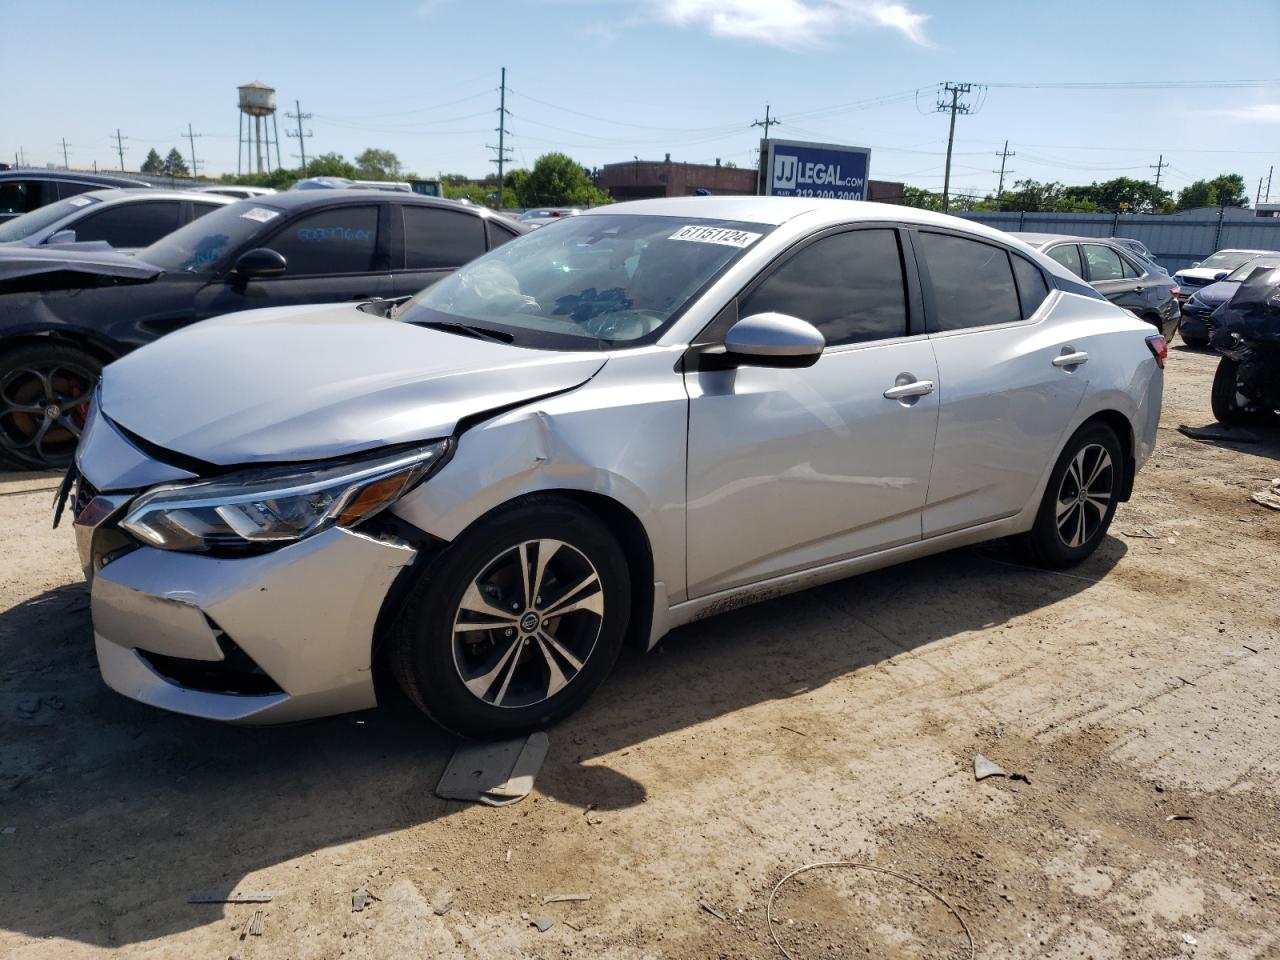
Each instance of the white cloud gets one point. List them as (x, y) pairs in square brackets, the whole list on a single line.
[(1254, 113), (791, 23)]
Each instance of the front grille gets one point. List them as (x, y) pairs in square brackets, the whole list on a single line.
[(1193, 281), (85, 491)]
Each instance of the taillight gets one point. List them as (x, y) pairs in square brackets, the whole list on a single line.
[(1176, 291), (1159, 349)]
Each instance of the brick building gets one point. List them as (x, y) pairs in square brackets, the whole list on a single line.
[(642, 179)]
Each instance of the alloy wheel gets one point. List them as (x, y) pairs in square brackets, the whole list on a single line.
[(1084, 495), (42, 411), (527, 624)]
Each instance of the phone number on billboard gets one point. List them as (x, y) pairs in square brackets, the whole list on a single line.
[(826, 194)]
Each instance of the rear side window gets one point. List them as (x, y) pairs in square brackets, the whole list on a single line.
[(1031, 286), (440, 238), (1068, 254), (850, 286), (198, 209), (1130, 271), (972, 282), (1104, 263), (129, 224), (498, 235), (20, 196), (69, 188), (341, 240)]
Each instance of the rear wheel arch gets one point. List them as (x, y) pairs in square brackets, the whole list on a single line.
[(1123, 430)]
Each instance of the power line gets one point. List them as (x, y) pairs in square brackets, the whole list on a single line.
[(956, 90), (1138, 85), (502, 157), (301, 135)]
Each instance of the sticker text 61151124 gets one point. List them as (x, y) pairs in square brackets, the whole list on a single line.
[(725, 236)]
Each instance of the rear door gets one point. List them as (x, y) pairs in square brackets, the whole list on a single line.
[(1006, 394), (1112, 276), (792, 468), (129, 225), (429, 243)]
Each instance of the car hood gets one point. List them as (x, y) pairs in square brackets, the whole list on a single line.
[(71, 261), (306, 383), (1216, 293), (1198, 273)]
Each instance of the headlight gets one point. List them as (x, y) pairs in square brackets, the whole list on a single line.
[(278, 504)]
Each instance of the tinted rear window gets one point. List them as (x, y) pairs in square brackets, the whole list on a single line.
[(440, 238), (972, 282)]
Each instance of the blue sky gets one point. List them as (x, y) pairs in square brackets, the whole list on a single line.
[(607, 80)]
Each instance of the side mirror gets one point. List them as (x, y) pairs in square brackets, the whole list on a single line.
[(62, 236), (1196, 264), (1220, 274), (773, 340), (258, 262)]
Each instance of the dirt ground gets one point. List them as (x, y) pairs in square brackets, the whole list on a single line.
[(1139, 694)]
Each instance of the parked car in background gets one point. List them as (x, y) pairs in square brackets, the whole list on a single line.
[(1124, 278), (1134, 246), (237, 191), (64, 313), (1198, 322), (541, 216), (1246, 385), (1213, 268), (554, 452), (22, 191), (125, 219), (342, 183)]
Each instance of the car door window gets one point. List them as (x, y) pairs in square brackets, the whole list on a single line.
[(849, 285), (198, 209), (69, 188), (129, 224), (1129, 270), (1104, 263), (1068, 254), (19, 196), (339, 240), (972, 282), (1031, 286), (498, 234), (440, 238)]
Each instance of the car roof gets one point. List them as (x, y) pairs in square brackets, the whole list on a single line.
[(290, 200), (105, 179), (1044, 239), (118, 195)]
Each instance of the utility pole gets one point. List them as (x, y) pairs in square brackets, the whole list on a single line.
[(956, 91), (767, 122), (1158, 166), (1004, 155), (120, 148), (302, 137), (1269, 173), (65, 162), (1258, 196), (502, 158), (191, 139)]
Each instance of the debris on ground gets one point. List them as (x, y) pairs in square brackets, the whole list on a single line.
[(236, 896), (360, 899), (254, 927), (1178, 816), (494, 773), (983, 768), (544, 923), (1142, 533), (1267, 498), (444, 908), (1189, 939), (712, 910), (565, 898), (1218, 432)]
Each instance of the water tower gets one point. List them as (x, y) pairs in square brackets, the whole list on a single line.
[(257, 109)]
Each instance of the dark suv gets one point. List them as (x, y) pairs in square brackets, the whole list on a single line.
[(1121, 276), (22, 191)]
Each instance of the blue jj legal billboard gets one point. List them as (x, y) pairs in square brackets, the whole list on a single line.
[(793, 168)]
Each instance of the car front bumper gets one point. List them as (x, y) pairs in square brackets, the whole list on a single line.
[(282, 636), (1196, 322)]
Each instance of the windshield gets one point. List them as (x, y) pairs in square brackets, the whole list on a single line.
[(611, 278), (196, 247), (1227, 259), (1245, 271), (19, 228)]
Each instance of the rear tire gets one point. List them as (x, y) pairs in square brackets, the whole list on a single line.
[(45, 390), (483, 652), (1079, 500), (1229, 406)]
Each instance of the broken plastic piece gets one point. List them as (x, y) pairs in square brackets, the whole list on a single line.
[(494, 773), (565, 898), (544, 923), (360, 899), (1218, 432), (983, 768), (712, 910), (444, 908), (236, 896)]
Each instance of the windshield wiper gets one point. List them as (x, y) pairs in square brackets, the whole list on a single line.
[(466, 330)]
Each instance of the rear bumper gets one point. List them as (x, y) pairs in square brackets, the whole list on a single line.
[(287, 635)]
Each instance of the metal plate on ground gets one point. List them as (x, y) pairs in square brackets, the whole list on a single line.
[(494, 773)]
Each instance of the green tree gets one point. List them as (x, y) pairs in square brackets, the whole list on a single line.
[(174, 165), (555, 179), (332, 165), (1121, 195), (1226, 189), (921, 198), (375, 164), (153, 163)]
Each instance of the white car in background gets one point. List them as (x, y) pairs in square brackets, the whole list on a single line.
[(1212, 269), (649, 414)]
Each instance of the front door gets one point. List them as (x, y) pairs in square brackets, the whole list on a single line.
[(789, 469)]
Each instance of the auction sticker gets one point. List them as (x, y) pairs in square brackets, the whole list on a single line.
[(261, 214), (79, 201), (722, 235)]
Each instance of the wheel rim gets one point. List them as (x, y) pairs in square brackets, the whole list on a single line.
[(42, 410), (1084, 496), (527, 624)]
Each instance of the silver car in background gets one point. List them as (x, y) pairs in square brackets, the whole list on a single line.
[(125, 220), (653, 412)]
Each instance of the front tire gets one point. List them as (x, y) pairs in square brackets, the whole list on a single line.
[(45, 390), (1230, 406), (1079, 500), (517, 623)]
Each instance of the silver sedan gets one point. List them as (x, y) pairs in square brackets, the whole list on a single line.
[(623, 422)]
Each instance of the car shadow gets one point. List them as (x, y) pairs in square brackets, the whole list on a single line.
[(122, 811)]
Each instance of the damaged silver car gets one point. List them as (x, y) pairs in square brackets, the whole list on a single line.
[(626, 421)]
